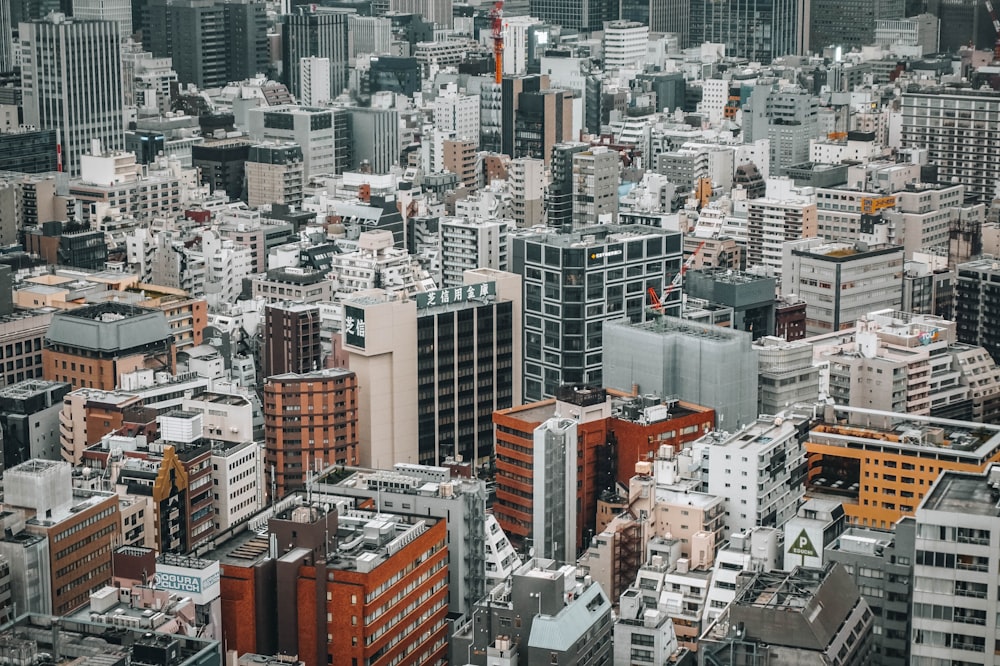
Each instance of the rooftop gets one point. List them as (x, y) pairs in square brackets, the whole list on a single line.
[(83, 642), (109, 327), (965, 493), (889, 430)]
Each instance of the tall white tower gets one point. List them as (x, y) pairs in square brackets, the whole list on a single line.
[(72, 82)]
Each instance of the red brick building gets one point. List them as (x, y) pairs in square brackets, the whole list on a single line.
[(614, 431), (310, 423), (362, 588)]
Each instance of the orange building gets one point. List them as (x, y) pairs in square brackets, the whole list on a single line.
[(614, 430), (359, 588), (310, 423), (881, 464), (93, 345)]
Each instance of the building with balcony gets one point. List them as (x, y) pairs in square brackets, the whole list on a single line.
[(882, 464), (310, 423), (954, 568)]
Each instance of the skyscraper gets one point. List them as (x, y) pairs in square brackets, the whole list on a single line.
[(573, 283), (191, 32), (848, 23), (760, 30), (119, 11), (71, 76), (6, 38), (315, 31), (211, 42), (246, 38), (583, 15)]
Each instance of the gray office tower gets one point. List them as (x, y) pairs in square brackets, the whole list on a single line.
[(848, 23), (583, 15), (211, 42), (6, 38), (661, 16), (71, 75), (963, 22), (573, 283), (881, 564), (759, 30), (319, 32), (701, 363)]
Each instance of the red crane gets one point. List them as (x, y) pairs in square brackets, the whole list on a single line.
[(496, 22), (657, 302)]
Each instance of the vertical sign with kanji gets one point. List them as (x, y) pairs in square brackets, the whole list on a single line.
[(354, 326)]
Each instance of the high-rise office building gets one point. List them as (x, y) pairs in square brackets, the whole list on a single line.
[(958, 129), (247, 50), (192, 34), (437, 12), (211, 42), (320, 32), (841, 282), (469, 244), (559, 195), (977, 294), (314, 81), (625, 44), (760, 30), (71, 77), (661, 16), (310, 423), (291, 338), (543, 119), (119, 11), (433, 369), (595, 186), (573, 283), (322, 133), (274, 174), (6, 38), (963, 22), (582, 15), (955, 569), (848, 23)]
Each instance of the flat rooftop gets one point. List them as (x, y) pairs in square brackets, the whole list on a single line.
[(963, 493), (963, 439)]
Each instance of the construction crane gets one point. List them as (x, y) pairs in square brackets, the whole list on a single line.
[(658, 302), (996, 29), (496, 21)]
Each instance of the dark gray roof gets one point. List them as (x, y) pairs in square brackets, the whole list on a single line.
[(108, 327)]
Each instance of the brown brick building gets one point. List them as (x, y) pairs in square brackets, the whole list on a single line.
[(310, 423), (81, 527), (93, 345), (291, 338)]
